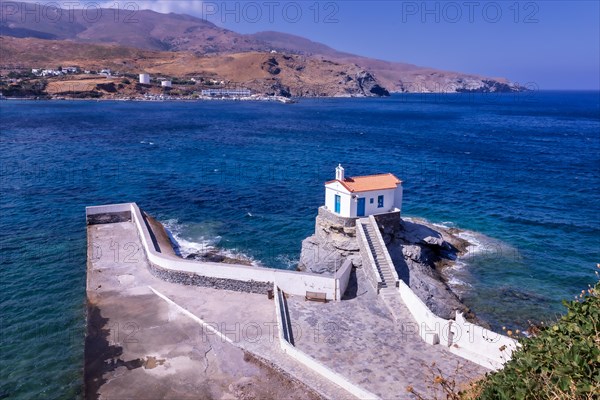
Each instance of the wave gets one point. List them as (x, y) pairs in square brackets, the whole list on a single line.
[(480, 248), (478, 242), (187, 245), (483, 246), (289, 263), (183, 244)]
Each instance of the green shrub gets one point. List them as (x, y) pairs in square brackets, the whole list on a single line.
[(561, 361)]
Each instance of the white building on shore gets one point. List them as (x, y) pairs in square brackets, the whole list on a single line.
[(166, 83), (145, 79), (361, 196), (226, 92)]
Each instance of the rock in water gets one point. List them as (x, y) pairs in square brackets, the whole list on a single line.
[(369, 85), (417, 249)]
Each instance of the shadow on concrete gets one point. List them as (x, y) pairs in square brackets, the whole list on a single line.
[(288, 320), (99, 355), (352, 288), (401, 266), (146, 217), (161, 239)]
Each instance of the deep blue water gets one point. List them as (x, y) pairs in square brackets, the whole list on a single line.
[(524, 170)]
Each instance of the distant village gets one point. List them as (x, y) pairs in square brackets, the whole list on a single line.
[(72, 82)]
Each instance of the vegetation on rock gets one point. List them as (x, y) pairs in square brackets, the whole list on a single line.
[(558, 362), (561, 361)]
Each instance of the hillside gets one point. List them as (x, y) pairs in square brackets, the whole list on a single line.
[(263, 73), (397, 77), (149, 30)]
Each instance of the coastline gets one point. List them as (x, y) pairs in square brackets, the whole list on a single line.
[(256, 98), (36, 182)]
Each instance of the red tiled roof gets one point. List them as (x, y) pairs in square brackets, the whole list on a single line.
[(369, 182)]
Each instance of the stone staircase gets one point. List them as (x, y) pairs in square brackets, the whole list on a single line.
[(380, 256), (388, 287)]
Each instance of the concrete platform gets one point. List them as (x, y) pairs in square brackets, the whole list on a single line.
[(151, 339), (139, 346)]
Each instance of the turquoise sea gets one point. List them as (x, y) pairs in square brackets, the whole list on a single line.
[(520, 171)]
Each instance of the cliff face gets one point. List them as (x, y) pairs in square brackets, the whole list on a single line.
[(418, 250), (298, 76), (332, 243)]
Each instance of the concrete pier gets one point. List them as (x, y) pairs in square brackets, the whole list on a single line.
[(149, 337), (140, 346)]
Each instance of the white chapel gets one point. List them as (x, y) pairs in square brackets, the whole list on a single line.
[(361, 196)]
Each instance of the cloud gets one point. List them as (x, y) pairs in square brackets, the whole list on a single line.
[(192, 7)]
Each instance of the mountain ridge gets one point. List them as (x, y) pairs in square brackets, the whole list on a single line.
[(151, 30)]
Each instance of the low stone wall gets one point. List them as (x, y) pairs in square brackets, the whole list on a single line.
[(336, 219), (388, 222), (191, 279)]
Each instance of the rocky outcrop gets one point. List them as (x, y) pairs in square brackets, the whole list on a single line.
[(447, 82), (278, 89), (218, 257), (418, 250), (325, 251), (296, 76), (369, 86), (272, 66)]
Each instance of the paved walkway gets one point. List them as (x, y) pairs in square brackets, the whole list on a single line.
[(360, 339)]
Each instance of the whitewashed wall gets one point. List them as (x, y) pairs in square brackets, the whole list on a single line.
[(345, 199), (293, 282), (388, 201), (470, 341), (398, 197), (342, 277), (392, 199)]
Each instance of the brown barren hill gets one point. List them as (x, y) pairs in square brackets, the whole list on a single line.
[(150, 30), (264, 73)]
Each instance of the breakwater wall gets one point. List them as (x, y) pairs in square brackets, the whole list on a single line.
[(225, 276)]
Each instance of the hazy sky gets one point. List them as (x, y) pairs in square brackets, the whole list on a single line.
[(554, 44)]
